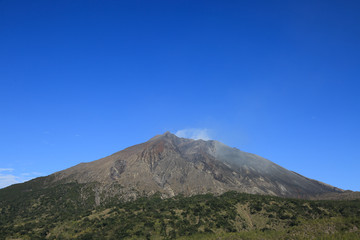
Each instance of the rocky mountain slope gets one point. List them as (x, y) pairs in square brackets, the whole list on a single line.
[(172, 165)]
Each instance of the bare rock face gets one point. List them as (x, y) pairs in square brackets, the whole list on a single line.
[(172, 165)]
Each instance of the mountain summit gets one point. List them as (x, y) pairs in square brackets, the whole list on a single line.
[(172, 165)]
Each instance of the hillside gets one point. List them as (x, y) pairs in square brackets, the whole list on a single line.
[(34, 215)]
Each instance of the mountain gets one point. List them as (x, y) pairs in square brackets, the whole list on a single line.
[(171, 165), (91, 200)]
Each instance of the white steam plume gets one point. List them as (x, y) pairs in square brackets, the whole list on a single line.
[(194, 133)]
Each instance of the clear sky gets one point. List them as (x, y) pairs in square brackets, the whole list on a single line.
[(80, 80)]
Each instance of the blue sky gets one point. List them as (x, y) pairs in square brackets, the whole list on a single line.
[(83, 79)]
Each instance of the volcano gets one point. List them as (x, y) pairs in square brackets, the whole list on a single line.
[(170, 165)]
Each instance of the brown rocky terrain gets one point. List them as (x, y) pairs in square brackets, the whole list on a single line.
[(172, 165)]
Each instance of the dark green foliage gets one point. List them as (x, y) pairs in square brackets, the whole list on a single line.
[(62, 212)]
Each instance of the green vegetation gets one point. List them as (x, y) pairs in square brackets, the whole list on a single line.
[(63, 212)]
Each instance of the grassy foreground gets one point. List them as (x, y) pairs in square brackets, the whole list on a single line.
[(62, 212)]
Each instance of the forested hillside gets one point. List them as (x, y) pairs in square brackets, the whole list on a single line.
[(68, 212)]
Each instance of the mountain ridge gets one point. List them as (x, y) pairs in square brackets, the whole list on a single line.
[(171, 165)]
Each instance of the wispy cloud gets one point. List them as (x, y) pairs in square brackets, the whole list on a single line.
[(31, 174), (6, 169), (7, 179), (194, 133)]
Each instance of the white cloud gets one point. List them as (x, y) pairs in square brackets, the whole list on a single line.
[(9, 179), (31, 174), (194, 133)]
